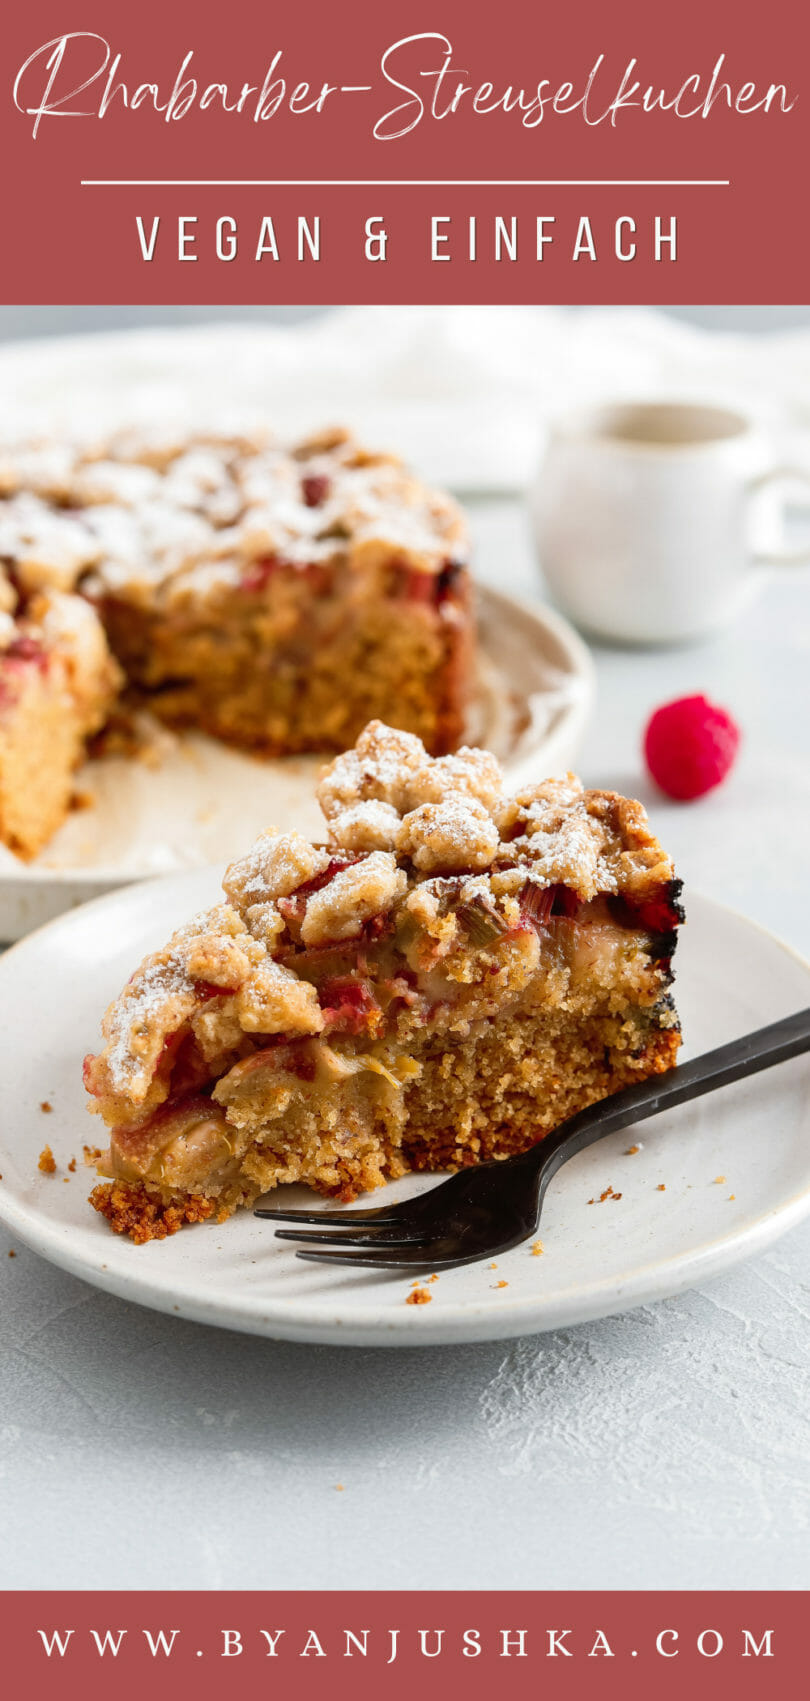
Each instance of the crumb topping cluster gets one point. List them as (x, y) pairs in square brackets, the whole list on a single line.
[(450, 814), (146, 518), (427, 854)]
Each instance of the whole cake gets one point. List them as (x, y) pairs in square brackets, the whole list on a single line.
[(444, 980), (275, 598)]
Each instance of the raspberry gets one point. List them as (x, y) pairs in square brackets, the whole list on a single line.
[(689, 746)]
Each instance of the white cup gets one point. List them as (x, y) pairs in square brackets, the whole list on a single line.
[(654, 520)]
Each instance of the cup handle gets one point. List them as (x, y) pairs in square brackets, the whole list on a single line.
[(781, 556)]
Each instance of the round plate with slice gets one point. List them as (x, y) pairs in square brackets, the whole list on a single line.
[(710, 1183)]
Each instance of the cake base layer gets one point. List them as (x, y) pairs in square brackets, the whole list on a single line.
[(41, 746), (490, 1095), (498, 1095), (300, 659), (136, 1210)]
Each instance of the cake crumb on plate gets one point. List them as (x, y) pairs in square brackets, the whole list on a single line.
[(418, 1296)]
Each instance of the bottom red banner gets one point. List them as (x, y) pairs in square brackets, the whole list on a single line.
[(390, 1644)]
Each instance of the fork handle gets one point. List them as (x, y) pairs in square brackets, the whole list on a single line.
[(745, 1056)]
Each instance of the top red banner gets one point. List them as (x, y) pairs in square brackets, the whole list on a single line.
[(438, 152)]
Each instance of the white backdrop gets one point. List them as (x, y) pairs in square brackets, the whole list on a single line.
[(464, 393)]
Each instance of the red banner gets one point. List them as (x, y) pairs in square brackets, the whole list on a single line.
[(438, 153), (384, 1646)]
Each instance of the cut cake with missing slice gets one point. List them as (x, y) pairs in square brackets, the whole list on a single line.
[(276, 598), (445, 980)]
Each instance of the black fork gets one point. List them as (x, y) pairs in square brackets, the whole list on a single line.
[(482, 1211)]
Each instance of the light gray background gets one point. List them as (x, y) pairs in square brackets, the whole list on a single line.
[(64, 321), (666, 1448), (669, 1447)]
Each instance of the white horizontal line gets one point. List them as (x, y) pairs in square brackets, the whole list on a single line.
[(405, 182)]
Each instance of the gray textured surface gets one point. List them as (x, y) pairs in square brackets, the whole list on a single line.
[(667, 1447)]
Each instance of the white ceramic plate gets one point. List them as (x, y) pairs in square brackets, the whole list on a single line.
[(200, 803), (599, 1258)]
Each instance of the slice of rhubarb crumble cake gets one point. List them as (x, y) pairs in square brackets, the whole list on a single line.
[(452, 974)]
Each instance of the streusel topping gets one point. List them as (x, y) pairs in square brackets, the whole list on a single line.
[(275, 866), (145, 520), (430, 853), (366, 888)]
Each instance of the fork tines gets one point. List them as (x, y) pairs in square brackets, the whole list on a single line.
[(328, 1218), (380, 1238)]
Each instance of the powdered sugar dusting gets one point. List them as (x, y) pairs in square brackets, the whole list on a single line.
[(276, 865), (453, 816), (143, 1007), (378, 769), (570, 854), (140, 516), (212, 946), (457, 833), (46, 546), (367, 888), (371, 825)]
